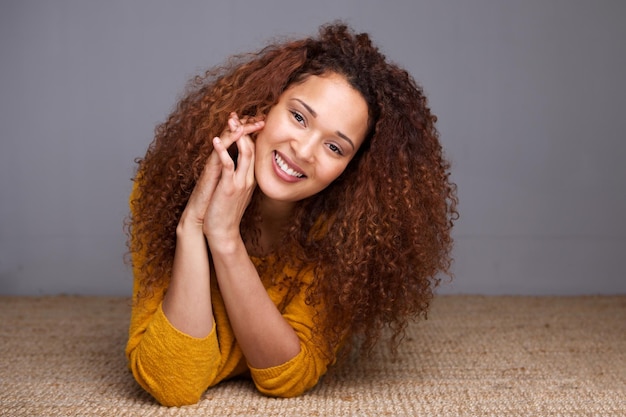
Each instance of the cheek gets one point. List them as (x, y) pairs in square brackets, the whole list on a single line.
[(261, 141), (332, 171), (270, 134)]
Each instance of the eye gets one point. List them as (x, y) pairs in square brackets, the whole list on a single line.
[(334, 148), (298, 117)]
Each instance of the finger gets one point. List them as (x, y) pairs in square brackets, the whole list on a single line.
[(253, 127), (253, 119), (231, 132), (249, 154), (228, 165), (237, 129), (248, 124), (206, 183), (203, 190), (245, 146), (234, 122)]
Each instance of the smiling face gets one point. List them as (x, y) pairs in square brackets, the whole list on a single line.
[(309, 137)]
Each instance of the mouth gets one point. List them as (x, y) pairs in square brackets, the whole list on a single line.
[(286, 168)]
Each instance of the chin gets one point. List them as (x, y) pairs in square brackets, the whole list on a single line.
[(273, 194)]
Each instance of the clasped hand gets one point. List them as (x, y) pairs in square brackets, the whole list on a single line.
[(224, 189)]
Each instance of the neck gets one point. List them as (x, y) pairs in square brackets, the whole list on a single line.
[(276, 213), (275, 218)]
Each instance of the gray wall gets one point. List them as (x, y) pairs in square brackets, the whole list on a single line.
[(530, 94)]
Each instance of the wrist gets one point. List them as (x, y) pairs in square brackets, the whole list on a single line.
[(188, 226), (225, 245)]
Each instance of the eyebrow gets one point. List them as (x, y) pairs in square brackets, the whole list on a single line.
[(314, 114)]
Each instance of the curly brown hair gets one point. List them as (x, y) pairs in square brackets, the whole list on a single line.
[(386, 220)]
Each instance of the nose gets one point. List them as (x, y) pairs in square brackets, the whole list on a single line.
[(304, 147)]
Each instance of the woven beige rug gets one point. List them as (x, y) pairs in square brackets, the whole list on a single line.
[(474, 356)]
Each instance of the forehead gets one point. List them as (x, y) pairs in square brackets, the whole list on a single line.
[(325, 87)]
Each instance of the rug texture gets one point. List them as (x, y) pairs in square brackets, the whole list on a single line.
[(474, 356)]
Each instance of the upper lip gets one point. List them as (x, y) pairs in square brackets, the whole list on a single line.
[(291, 164)]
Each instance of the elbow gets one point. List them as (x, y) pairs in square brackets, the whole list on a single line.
[(288, 389), (284, 393), (290, 379), (170, 395), (176, 399), (165, 389)]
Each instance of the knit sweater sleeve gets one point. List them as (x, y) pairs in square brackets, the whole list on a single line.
[(173, 367), (303, 371)]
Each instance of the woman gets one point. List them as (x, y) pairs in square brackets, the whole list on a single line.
[(294, 203)]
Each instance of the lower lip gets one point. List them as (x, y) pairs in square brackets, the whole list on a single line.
[(282, 174)]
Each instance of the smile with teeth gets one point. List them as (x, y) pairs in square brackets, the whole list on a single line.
[(286, 168)]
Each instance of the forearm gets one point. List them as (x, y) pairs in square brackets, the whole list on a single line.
[(264, 336), (187, 303)]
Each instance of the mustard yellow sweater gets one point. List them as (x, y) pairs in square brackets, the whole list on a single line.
[(177, 368)]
